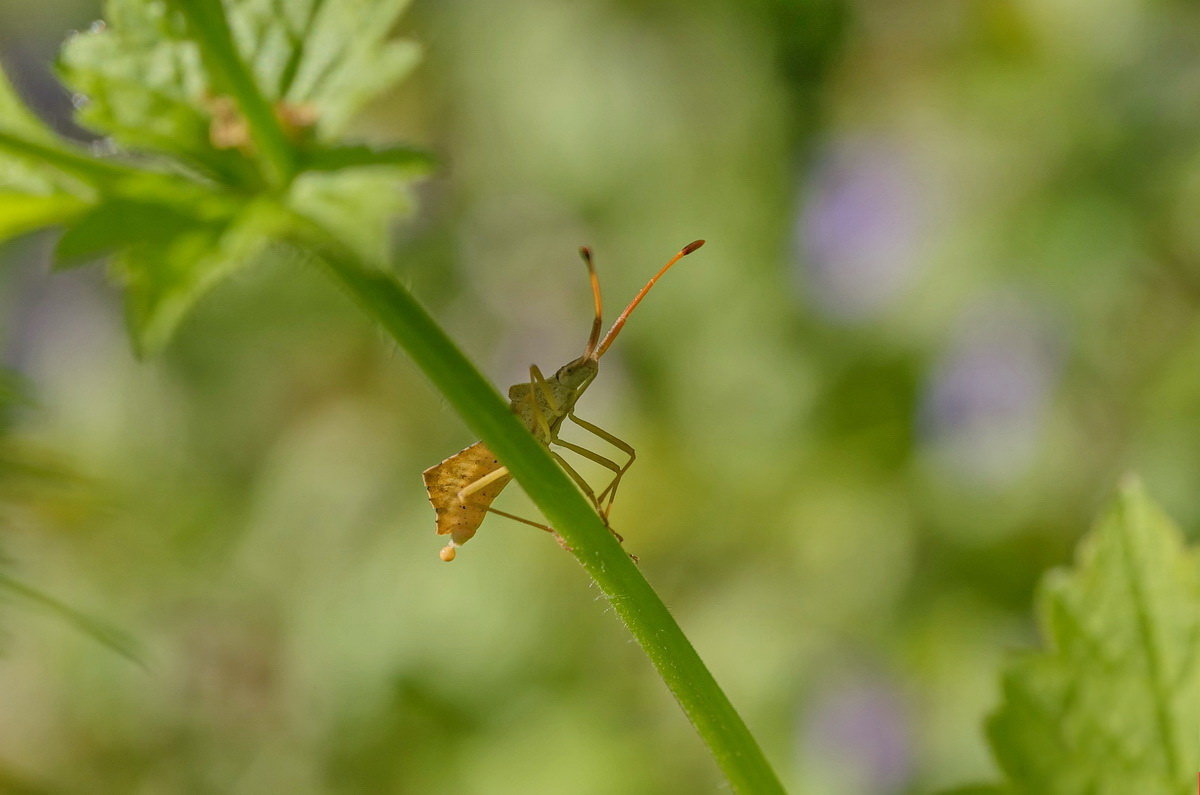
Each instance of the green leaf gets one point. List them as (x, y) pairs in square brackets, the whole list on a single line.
[(165, 274), (141, 82), (122, 223), (177, 78), (1113, 704), (170, 242), (20, 174), (22, 212), (408, 161), (338, 54), (15, 117), (361, 204), (144, 83)]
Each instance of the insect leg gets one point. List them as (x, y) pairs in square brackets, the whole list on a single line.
[(579, 481), (532, 523), (482, 483), (575, 476), (611, 489), (491, 478), (539, 381)]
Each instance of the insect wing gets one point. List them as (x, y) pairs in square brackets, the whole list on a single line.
[(461, 518)]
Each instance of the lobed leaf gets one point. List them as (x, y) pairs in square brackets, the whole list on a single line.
[(22, 175), (344, 57), (139, 80), (1113, 704), (24, 212), (147, 84)]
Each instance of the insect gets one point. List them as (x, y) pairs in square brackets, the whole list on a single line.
[(462, 487)]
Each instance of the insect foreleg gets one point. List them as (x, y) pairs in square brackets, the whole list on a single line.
[(538, 382)]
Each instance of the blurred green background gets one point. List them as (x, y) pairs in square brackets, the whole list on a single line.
[(949, 296)]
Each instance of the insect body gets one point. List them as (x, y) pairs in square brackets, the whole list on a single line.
[(462, 487)]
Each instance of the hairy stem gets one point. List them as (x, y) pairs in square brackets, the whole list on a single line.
[(486, 413), (631, 596)]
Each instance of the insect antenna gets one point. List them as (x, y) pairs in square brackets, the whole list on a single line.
[(637, 299), (594, 337)]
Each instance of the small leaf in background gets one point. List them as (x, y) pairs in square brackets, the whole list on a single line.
[(335, 57), (142, 81), (1113, 704), (26, 212), (165, 275), (362, 204), (31, 198), (15, 117)]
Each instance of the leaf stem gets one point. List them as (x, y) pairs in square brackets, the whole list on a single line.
[(78, 164), (630, 595), (210, 28)]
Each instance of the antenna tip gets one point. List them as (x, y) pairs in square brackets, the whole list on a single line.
[(586, 253), (690, 247)]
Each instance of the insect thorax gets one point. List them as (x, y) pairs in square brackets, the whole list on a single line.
[(554, 398)]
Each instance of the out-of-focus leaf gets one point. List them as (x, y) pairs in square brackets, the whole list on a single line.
[(32, 196), (145, 84), (332, 56), (23, 212), (141, 82), (164, 275), (19, 174), (335, 158), (361, 204), (99, 630), (123, 223), (1113, 705), (17, 118)]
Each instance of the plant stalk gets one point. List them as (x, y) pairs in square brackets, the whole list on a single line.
[(487, 414), (630, 595)]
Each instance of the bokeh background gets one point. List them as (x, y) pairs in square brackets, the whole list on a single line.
[(949, 297)]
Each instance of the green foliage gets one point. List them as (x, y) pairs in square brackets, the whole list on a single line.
[(32, 196), (99, 630), (30, 477), (199, 204), (140, 81), (220, 107), (335, 57), (1113, 705)]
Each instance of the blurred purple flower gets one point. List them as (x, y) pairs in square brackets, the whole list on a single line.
[(859, 730), (859, 234), (985, 402)]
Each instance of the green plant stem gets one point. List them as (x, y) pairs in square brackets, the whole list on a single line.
[(210, 28), (486, 413)]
